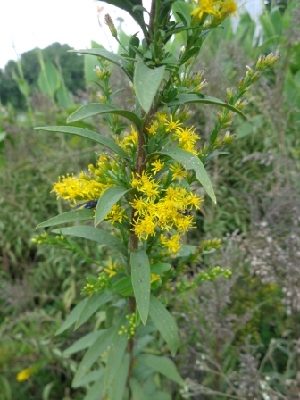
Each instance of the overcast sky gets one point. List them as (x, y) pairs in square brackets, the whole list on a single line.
[(25, 25)]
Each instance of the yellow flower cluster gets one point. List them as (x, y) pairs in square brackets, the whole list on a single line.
[(218, 9), (162, 126), (162, 209), (89, 186), (129, 140)]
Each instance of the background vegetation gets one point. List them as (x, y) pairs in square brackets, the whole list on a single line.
[(240, 337)]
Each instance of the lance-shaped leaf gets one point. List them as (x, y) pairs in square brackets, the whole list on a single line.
[(136, 390), (71, 216), (115, 356), (97, 235), (84, 342), (92, 354), (146, 82), (141, 282), (191, 161), (72, 317), (107, 200), (165, 323), (89, 134), (201, 98), (118, 385), (162, 365), (97, 108), (107, 55), (93, 304)]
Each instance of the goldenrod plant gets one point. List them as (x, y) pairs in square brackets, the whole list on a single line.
[(141, 196)]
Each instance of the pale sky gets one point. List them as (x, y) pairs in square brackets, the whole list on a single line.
[(27, 24)]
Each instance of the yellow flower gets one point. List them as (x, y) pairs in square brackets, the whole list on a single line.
[(219, 9), (173, 244), (111, 269), (204, 7), (177, 171), (116, 214), (155, 277), (157, 166), (24, 374), (145, 185), (172, 125)]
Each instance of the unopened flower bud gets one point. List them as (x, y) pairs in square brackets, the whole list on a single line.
[(110, 24)]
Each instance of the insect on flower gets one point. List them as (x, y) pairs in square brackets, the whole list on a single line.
[(87, 205), (185, 212)]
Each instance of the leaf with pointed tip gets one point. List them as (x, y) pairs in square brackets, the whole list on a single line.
[(91, 109), (165, 323), (136, 390), (116, 352), (83, 343), (107, 55), (87, 133), (97, 235), (191, 161), (94, 302), (71, 216), (146, 82), (72, 317), (201, 98), (92, 355), (110, 197), (141, 282), (161, 364)]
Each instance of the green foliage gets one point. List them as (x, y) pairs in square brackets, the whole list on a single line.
[(145, 198), (52, 70), (243, 331)]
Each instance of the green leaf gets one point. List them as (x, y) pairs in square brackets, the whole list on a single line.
[(123, 287), (93, 304), (107, 55), (146, 82), (183, 9), (83, 343), (160, 268), (201, 98), (86, 133), (48, 79), (64, 98), (94, 391), (92, 377), (136, 391), (92, 355), (141, 282), (162, 365), (110, 197), (72, 317), (97, 235), (97, 108), (119, 383), (47, 390), (71, 216), (191, 161), (165, 323), (186, 250), (116, 352)]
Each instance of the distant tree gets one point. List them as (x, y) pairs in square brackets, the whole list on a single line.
[(71, 65), (9, 90)]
